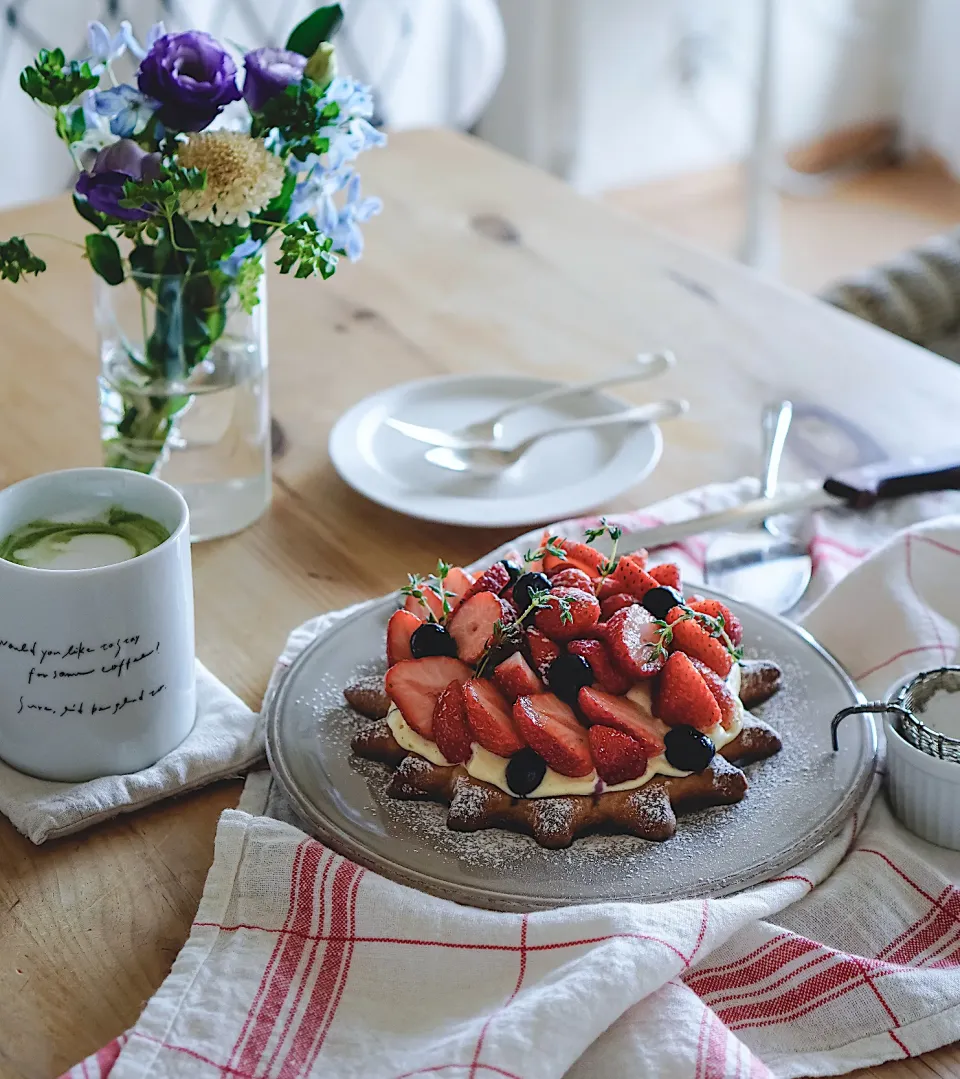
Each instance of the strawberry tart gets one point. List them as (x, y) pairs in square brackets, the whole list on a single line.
[(564, 692)]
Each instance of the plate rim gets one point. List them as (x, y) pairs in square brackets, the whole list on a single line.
[(485, 898), (481, 517)]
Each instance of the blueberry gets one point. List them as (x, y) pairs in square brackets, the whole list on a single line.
[(431, 639), (688, 749), (567, 675), (513, 569), (659, 601), (527, 583), (525, 771)]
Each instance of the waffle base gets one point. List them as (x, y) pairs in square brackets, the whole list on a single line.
[(649, 812)]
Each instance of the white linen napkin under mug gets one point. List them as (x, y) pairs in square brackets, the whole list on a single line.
[(300, 963), (227, 738)]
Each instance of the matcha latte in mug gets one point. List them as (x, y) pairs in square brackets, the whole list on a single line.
[(96, 623)]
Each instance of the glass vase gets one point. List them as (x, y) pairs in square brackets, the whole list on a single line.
[(183, 393)]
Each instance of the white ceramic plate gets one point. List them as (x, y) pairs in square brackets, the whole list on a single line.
[(563, 476), (797, 800)]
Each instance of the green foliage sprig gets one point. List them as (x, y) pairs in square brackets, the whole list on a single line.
[(305, 247), (52, 81), (16, 259)]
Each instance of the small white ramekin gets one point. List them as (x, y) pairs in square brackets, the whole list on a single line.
[(924, 790)]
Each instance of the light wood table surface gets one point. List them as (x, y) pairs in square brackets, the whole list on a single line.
[(478, 263)]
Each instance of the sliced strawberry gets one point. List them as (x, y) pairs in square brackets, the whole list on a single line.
[(550, 727), (515, 679), (633, 636), (459, 582), (570, 577), (450, 730), (616, 756), (667, 574), (489, 719), (399, 631), (583, 554), (624, 715), (542, 651), (601, 663), (495, 580), (683, 697), (471, 625), (614, 603), (639, 557), (690, 636), (584, 613), (629, 577), (414, 685), (423, 608), (722, 693), (715, 609)]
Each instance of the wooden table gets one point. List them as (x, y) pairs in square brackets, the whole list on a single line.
[(477, 263)]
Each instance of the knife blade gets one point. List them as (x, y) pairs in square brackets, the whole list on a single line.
[(856, 489)]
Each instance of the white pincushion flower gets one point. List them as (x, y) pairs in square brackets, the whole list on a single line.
[(242, 177)]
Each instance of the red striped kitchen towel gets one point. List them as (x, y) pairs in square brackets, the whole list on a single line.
[(301, 963)]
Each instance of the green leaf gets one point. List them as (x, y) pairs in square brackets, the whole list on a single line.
[(183, 233), (248, 281), (307, 36), (16, 259), (77, 126), (52, 81), (104, 256), (88, 213)]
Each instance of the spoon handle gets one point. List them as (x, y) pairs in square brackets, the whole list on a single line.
[(643, 414), (775, 424), (644, 366)]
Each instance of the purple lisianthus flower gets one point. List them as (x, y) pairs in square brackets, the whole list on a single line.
[(192, 77), (102, 186), (270, 72)]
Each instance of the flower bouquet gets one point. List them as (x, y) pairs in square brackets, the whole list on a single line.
[(186, 173)]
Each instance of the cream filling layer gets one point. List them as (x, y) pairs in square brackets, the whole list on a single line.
[(489, 768)]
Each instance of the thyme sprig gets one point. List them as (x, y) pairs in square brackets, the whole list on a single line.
[(550, 546), (511, 633), (615, 532), (714, 625), (418, 586)]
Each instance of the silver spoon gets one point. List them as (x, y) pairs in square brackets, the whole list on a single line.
[(763, 565), (645, 365), (484, 459)]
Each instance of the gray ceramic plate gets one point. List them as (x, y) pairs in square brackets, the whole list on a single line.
[(796, 802)]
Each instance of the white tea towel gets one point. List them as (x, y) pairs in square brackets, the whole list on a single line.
[(225, 741), (301, 963)]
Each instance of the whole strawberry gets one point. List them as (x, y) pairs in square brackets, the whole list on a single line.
[(715, 609), (692, 637), (568, 613), (616, 756)]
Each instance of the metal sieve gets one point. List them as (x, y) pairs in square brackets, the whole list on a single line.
[(909, 706)]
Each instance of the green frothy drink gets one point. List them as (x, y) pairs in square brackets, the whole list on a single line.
[(116, 535)]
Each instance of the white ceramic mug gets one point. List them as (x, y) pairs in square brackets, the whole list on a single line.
[(96, 665)]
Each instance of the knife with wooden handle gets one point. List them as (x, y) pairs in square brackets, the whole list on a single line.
[(856, 489)]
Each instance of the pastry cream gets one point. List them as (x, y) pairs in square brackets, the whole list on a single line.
[(490, 768)]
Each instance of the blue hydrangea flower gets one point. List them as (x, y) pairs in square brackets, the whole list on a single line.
[(354, 98), (315, 186), (106, 47), (231, 264), (345, 233), (129, 109)]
